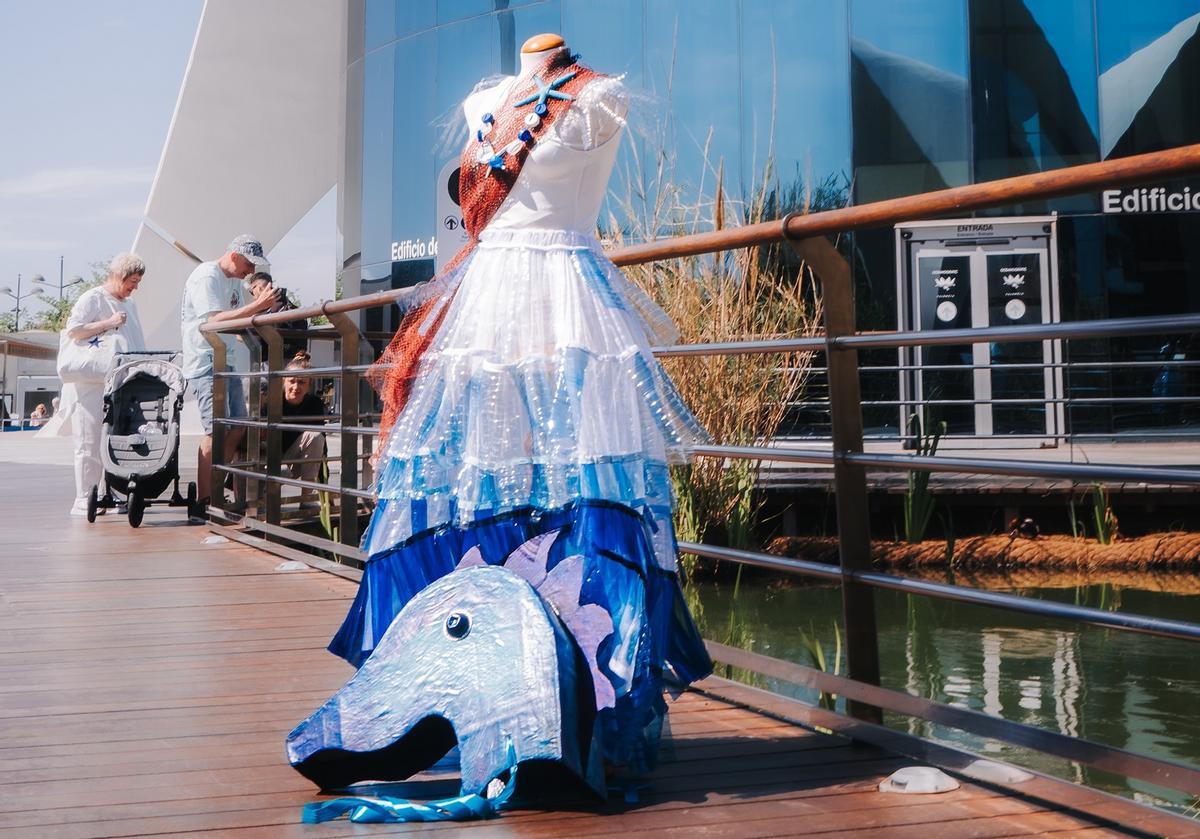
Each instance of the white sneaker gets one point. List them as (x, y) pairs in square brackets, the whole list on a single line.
[(80, 509)]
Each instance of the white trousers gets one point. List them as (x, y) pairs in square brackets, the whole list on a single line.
[(87, 416)]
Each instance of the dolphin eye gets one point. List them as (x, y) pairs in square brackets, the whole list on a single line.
[(458, 625)]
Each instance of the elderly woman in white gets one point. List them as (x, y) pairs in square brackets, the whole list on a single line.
[(101, 315)]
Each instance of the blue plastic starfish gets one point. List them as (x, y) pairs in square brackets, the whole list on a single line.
[(547, 90)]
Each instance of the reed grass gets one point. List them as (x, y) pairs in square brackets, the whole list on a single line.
[(753, 293)]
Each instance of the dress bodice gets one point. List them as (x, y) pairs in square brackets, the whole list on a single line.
[(562, 184)]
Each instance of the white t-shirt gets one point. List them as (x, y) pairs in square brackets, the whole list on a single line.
[(98, 304), (208, 290)]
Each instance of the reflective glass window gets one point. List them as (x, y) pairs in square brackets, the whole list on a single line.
[(465, 54), (379, 78), (412, 182), (449, 11), (1149, 64), (693, 67), (388, 20), (1033, 80), (910, 96), (515, 26), (796, 98), (609, 37)]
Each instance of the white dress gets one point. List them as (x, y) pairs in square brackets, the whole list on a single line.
[(538, 408)]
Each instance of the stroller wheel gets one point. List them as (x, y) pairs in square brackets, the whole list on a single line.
[(93, 500), (191, 494), (136, 508)]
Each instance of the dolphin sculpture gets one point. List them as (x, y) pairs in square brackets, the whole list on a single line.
[(499, 660)]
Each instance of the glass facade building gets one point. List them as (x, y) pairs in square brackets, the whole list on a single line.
[(833, 102)]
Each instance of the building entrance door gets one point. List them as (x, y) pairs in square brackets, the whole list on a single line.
[(959, 276)]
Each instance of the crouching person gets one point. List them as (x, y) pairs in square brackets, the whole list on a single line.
[(303, 451)]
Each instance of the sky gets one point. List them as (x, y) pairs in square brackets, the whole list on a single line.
[(87, 90)]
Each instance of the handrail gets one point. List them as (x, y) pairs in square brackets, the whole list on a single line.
[(1183, 160), (943, 463), (1143, 624), (960, 199)]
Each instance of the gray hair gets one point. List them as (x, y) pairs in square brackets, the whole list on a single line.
[(125, 265)]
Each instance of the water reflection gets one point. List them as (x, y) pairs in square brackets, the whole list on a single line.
[(1123, 690)]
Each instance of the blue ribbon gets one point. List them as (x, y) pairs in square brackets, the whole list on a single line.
[(383, 809)]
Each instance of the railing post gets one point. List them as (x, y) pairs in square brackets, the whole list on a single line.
[(850, 481), (272, 489), (216, 478), (348, 504), (254, 412)]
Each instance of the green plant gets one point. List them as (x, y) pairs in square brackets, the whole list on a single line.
[(325, 513), (816, 653), (1103, 516), (1077, 529), (948, 528), (918, 500), (322, 320)]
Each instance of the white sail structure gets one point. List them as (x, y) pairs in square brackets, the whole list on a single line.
[(252, 145)]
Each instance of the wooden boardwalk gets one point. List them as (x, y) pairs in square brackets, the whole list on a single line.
[(147, 682)]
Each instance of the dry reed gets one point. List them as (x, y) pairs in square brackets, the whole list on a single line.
[(753, 293)]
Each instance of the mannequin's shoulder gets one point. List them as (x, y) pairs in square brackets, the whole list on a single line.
[(607, 93), (597, 115), (485, 97)]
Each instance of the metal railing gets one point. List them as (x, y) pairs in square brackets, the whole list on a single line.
[(840, 344)]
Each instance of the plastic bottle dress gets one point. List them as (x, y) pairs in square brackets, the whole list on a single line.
[(539, 422)]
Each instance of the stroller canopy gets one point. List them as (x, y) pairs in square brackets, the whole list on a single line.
[(163, 366)]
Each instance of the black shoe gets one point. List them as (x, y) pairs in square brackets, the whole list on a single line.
[(198, 512)]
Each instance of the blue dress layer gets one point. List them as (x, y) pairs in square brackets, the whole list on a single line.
[(651, 626)]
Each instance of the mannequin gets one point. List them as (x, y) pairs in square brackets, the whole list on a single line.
[(530, 421)]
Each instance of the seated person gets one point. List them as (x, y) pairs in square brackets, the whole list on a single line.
[(39, 415), (305, 447)]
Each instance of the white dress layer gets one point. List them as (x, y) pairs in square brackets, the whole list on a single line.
[(540, 388)]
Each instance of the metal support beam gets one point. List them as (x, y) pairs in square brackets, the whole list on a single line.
[(219, 401), (254, 433), (273, 502), (350, 379), (850, 480)]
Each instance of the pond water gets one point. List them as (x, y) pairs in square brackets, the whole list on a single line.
[(1131, 691)]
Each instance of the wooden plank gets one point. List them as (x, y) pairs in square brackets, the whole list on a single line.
[(147, 682)]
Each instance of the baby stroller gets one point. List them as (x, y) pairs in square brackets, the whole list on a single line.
[(139, 443)]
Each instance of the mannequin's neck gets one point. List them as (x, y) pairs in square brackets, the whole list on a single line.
[(530, 60)]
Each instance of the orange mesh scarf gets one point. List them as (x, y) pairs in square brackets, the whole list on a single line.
[(482, 189)]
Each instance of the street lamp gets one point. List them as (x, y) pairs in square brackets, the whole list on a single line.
[(62, 286), (18, 297)]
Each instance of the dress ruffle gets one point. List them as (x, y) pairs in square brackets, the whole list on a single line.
[(539, 389)]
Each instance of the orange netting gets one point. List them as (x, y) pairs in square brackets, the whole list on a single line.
[(482, 189)]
